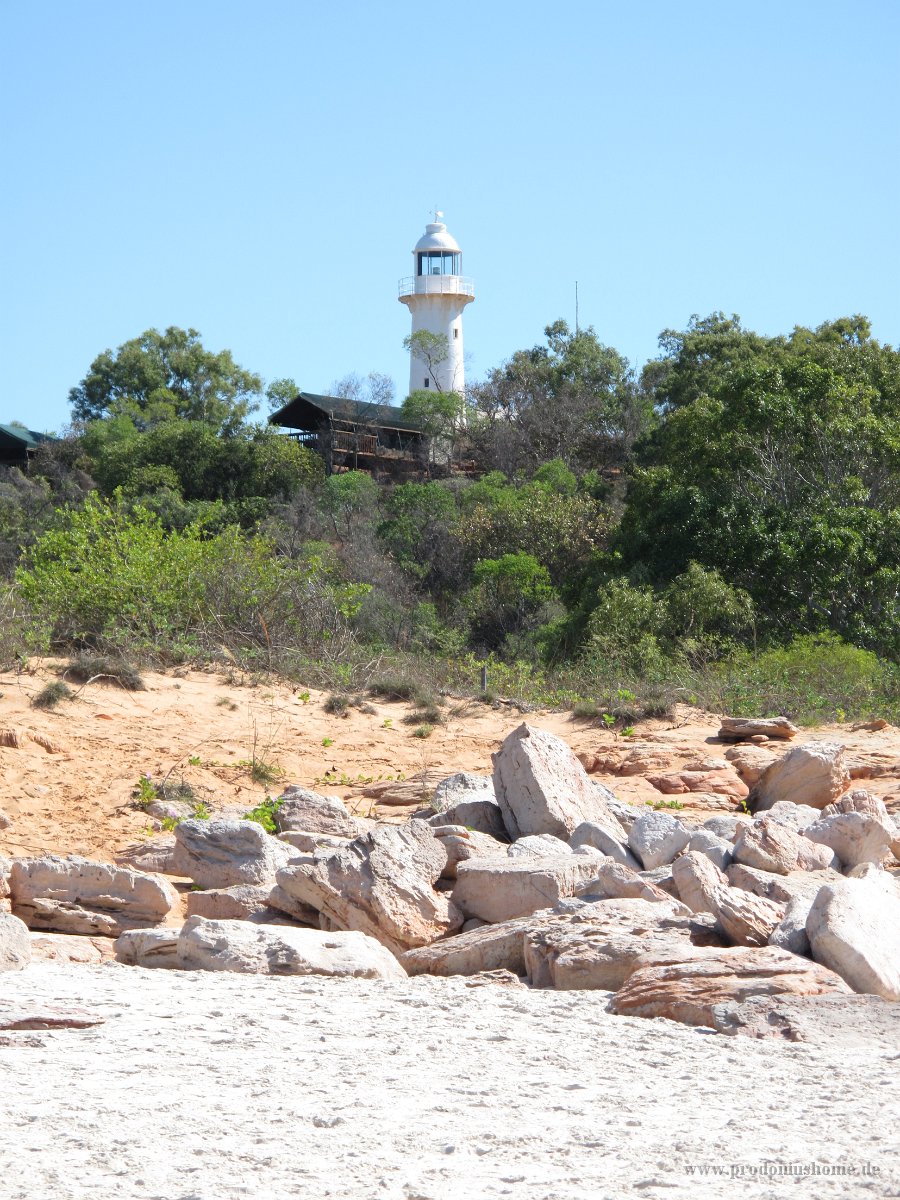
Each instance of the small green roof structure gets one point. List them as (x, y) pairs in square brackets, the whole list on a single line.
[(17, 444)]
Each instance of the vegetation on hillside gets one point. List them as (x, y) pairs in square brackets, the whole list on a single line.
[(720, 528)]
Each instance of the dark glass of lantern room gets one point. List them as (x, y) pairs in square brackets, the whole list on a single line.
[(440, 262)]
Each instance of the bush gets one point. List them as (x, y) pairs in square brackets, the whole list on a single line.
[(86, 667), (52, 694)]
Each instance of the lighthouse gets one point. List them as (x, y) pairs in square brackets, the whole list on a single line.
[(436, 294)]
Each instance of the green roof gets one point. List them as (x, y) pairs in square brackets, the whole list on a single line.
[(29, 438), (359, 412)]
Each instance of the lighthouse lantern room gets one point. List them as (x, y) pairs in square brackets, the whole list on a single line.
[(436, 295)]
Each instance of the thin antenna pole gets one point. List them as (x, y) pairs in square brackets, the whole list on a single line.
[(576, 306)]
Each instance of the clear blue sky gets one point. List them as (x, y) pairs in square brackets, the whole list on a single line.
[(260, 171)]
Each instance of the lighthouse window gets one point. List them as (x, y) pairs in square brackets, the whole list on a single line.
[(439, 262), (456, 332)]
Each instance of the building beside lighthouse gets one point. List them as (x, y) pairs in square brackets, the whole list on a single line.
[(436, 294)]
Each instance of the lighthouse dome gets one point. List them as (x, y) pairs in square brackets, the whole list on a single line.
[(436, 237)]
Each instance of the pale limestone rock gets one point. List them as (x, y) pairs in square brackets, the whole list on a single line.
[(76, 895), (469, 800), (738, 728), (70, 948), (541, 787), (282, 904), (746, 919), (242, 902), (726, 825), (308, 812), (854, 928), (690, 991), (854, 1022), (309, 843), (461, 844), (782, 888), (656, 837), (381, 884), (859, 800), (502, 889), (750, 762), (539, 845), (15, 944), (18, 1015), (646, 760), (241, 947), (768, 845), (815, 774), (588, 833), (855, 837), (486, 948), (790, 933), (151, 948), (614, 881), (795, 816), (220, 854), (716, 849), (600, 952), (153, 856), (5, 871)]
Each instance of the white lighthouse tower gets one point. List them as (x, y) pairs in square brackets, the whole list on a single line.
[(436, 295)]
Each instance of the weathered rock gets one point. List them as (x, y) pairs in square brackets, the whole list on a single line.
[(469, 800), (750, 761), (600, 952), (734, 729), (487, 948), (541, 787), (5, 872), (220, 854), (15, 944), (746, 919), (309, 843), (726, 825), (461, 844), (308, 812), (239, 903), (656, 838), (278, 950), (794, 816), (502, 889), (151, 948), (661, 877), (854, 1022), (790, 932), (625, 814), (153, 856), (539, 845), (859, 800), (646, 760), (588, 833), (76, 895), (696, 880), (282, 904), (614, 881), (5, 820), (498, 978), (815, 774), (854, 928), (782, 888), (20, 1015), (716, 849), (689, 992), (70, 948), (380, 884), (770, 846), (855, 837)]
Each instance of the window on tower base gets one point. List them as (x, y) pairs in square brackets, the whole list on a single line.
[(426, 381)]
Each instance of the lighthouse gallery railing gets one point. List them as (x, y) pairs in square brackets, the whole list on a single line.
[(435, 285)]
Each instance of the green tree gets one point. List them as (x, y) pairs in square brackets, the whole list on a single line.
[(574, 400), (158, 376), (430, 349)]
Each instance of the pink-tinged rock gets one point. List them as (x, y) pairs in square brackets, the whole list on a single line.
[(733, 729), (854, 928), (769, 845), (77, 895), (502, 889), (690, 991), (381, 884), (541, 787), (815, 774)]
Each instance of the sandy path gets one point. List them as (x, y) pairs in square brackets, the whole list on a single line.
[(203, 1087)]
